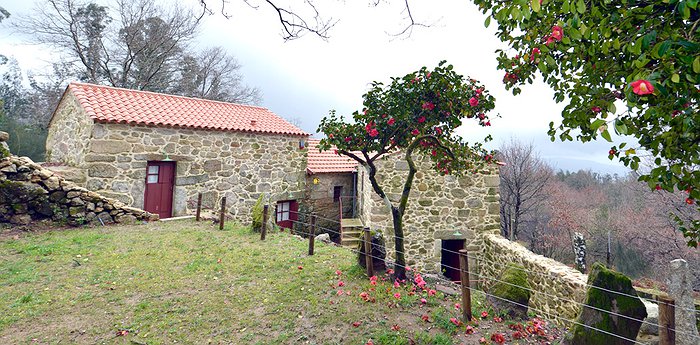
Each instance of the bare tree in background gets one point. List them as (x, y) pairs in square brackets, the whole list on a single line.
[(138, 45), (305, 17), (213, 74), (523, 179)]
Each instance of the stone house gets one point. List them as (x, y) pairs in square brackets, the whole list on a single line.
[(157, 152)]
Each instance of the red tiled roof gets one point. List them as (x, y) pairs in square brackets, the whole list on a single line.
[(116, 105), (327, 161)]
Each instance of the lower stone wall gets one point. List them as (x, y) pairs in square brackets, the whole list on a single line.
[(319, 200), (30, 192), (563, 285)]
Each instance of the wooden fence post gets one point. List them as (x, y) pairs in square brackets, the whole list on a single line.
[(222, 214), (368, 253), (466, 290), (667, 321), (312, 234), (263, 231), (199, 205)]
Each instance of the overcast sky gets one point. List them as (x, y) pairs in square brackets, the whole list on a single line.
[(305, 78)]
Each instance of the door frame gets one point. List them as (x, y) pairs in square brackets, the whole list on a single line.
[(172, 186)]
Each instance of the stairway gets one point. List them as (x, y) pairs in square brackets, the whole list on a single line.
[(351, 232)]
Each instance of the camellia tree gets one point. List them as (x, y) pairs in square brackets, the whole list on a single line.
[(644, 55), (418, 115)]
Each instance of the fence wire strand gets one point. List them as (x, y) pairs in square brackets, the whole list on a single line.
[(507, 300), (545, 275)]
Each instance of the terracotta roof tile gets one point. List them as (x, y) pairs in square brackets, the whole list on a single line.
[(116, 105), (327, 161)]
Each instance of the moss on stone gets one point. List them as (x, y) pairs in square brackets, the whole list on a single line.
[(513, 285), (257, 214), (617, 303), (4, 151)]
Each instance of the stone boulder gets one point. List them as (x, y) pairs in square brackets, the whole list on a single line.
[(512, 293), (325, 238), (378, 253), (615, 329)]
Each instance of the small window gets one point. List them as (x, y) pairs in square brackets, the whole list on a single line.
[(152, 176), (337, 192), (283, 211)]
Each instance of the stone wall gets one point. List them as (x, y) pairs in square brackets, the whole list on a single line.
[(438, 207), (69, 132), (29, 192), (319, 200), (555, 287)]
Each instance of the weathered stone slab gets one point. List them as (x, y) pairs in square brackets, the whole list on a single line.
[(109, 146)]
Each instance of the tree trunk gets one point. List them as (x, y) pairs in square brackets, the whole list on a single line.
[(400, 266)]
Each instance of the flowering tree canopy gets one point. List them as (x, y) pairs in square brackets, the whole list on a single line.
[(594, 54), (417, 113)]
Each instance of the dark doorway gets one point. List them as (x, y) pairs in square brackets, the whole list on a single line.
[(160, 179), (450, 258), (286, 213)]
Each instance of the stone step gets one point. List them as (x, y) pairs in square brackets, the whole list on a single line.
[(351, 222)]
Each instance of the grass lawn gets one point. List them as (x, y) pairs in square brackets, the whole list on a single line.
[(188, 282)]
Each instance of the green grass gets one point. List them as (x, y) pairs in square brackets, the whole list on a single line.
[(188, 282)]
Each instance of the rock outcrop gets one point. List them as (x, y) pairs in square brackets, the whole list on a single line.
[(611, 316)]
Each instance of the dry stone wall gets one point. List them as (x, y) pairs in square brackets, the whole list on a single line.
[(556, 288), (439, 208), (29, 192)]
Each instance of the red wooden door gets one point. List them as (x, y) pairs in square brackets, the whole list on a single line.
[(160, 179), (286, 213), (450, 258)]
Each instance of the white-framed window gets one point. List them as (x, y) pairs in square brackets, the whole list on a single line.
[(152, 174), (283, 211)]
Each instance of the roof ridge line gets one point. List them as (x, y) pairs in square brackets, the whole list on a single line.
[(164, 94)]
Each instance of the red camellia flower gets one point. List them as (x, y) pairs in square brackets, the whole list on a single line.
[(431, 292), (487, 123), (482, 340), (356, 324), (421, 119), (596, 109), (457, 306), (338, 272), (330, 136), (425, 318), (642, 87), (341, 283), (557, 33), (348, 139), (497, 319), (473, 102), (498, 338), (689, 201), (484, 314), (300, 267), (423, 301), (391, 121), (415, 132), (395, 328), (469, 330), (438, 130), (428, 106), (397, 295), (612, 152), (658, 187), (373, 133), (369, 342), (454, 321)]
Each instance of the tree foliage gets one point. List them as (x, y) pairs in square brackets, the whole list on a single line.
[(137, 44), (598, 55), (416, 114)]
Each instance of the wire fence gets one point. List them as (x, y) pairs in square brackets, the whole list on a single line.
[(529, 272), (495, 280)]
